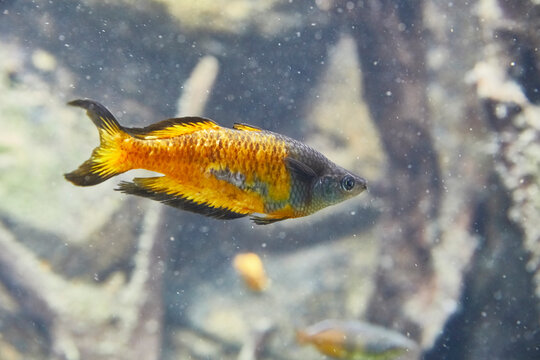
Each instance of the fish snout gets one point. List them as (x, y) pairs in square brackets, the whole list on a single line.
[(362, 183)]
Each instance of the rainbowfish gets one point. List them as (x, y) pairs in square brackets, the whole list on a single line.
[(355, 340), (216, 171)]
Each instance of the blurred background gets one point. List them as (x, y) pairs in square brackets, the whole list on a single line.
[(436, 103)]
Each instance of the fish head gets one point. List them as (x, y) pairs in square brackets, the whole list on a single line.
[(336, 186)]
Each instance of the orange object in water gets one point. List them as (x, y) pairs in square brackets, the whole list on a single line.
[(251, 269), (216, 171)]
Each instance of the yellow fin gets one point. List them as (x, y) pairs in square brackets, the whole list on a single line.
[(246, 127), (172, 193), (107, 159), (173, 127)]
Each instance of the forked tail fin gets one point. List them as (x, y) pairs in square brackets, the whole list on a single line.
[(106, 159)]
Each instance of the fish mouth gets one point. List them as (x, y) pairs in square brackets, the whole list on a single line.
[(362, 183)]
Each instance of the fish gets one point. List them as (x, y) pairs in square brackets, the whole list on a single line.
[(250, 267), (220, 172), (355, 340)]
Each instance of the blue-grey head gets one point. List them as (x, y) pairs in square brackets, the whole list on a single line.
[(336, 186), (324, 183)]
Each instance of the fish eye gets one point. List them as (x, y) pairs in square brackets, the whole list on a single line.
[(347, 183)]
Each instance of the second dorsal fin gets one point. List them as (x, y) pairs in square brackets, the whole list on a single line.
[(173, 127)]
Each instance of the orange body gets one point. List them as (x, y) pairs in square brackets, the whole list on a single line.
[(192, 164)]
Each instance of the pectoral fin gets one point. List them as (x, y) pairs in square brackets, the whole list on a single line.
[(301, 170)]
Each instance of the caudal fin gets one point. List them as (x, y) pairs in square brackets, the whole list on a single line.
[(106, 160)]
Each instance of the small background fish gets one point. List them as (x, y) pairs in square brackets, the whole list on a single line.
[(216, 171), (355, 340)]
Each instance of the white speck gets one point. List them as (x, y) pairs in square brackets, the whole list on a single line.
[(501, 111), (388, 93)]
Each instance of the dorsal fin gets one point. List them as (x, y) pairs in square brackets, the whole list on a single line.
[(246, 127), (173, 127)]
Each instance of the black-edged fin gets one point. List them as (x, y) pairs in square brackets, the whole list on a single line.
[(85, 175), (246, 127), (302, 171), (137, 187), (106, 160), (100, 116), (172, 127), (261, 220)]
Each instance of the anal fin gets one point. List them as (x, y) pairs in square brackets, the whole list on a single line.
[(156, 188)]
